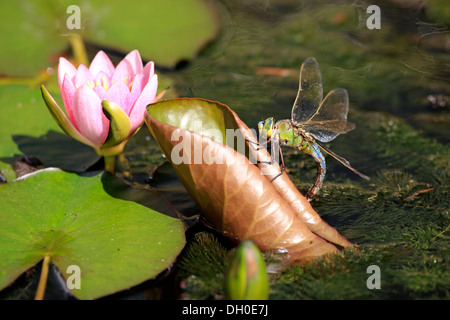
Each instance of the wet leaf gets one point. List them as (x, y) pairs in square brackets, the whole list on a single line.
[(231, 191), (79, 220)]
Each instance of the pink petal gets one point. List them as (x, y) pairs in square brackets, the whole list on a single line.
[(83, 76), (65, 67), (102, 84), (148, 71), (123, 71), (147, 96), (134, 58), (101, 63), (68, 95), (136, 89), (118, 94), (100, 91), (87, 110), (102, 80)]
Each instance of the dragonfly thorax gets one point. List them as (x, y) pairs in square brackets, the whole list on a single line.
[(289, 134)]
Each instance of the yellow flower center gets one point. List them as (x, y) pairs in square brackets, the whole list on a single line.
[(104, 83)]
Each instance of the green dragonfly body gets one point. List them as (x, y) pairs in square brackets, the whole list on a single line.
[(312, 119)]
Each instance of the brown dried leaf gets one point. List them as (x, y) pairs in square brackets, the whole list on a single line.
[(230, 190), (286, 188)]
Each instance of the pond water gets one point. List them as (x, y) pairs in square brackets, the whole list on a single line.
[(397, 78), (393, 74)]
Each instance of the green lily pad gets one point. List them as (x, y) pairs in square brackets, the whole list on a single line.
[(32, 42), (163, 31), (115, 243), (27, 128)]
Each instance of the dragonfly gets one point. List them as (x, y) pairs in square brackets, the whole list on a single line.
[(311, 119)]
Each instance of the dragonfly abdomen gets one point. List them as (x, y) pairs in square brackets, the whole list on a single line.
[(290, 134), (313, 149)]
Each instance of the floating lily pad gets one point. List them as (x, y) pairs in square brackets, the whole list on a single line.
[(30, 41), (163, 31), (76, 220)]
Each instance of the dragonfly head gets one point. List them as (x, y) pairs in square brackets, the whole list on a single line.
[(265, 128)]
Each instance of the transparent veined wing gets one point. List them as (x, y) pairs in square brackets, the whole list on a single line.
[(310, 91), (330, 118), (326, 131), (343, 161)]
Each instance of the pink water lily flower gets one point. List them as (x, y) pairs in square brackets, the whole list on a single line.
[(104, 104)]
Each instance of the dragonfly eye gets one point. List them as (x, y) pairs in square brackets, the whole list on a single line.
[(269, 127), (265, 128), (269, 132)]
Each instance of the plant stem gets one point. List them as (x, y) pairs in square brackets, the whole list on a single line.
[(43, 279), (110, 164), (79, 50), (441, 233)]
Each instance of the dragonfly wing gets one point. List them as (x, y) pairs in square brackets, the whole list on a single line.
[(326, 131), (343, 161), (332, 113), (310, 91)]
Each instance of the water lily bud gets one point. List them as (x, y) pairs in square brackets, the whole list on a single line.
[(246, 278)]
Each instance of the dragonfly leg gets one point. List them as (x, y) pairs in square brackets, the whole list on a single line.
[(283, 168), (258, 145), (314, 151), (257, 148), (282, 171)]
